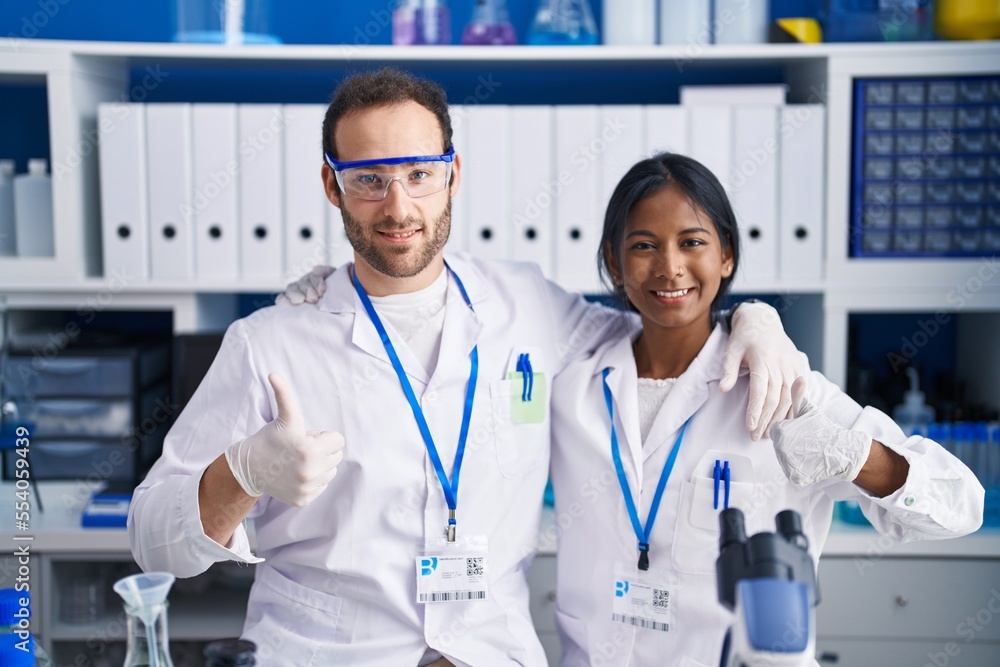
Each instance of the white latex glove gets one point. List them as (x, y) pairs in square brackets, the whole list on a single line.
[(810, 447), (307, 289), (284, 460), (758, 341)]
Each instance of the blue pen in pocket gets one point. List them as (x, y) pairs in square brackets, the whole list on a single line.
[(726, 477), (716, 476)]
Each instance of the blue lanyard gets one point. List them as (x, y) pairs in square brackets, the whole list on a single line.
[(450, 488), (641, 533)]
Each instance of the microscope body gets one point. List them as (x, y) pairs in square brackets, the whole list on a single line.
[(769, 582)]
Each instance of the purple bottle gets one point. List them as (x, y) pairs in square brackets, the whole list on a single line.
[(421, 22), (489, 25)]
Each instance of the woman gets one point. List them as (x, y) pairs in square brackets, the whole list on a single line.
[(671, 248)]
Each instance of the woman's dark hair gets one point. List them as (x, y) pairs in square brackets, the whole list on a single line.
[(648, 177), (386, 87)]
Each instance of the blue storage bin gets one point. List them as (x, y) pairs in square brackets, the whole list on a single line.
[(925, 178)]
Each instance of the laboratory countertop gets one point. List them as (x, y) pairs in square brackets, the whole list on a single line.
[(56, 529)]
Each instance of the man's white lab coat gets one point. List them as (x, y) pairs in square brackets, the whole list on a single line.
[(337, 582)]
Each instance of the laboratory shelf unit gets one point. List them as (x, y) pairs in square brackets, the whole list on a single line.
[(79, 75)]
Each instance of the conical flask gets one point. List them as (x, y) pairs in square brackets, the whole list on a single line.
[(489, 24), (563, 22), (145, 597)]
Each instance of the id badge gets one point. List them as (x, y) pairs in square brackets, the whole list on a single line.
[(453, 572), (643, 599)]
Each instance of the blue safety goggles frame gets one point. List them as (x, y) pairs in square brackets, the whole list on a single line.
[(338, 165)]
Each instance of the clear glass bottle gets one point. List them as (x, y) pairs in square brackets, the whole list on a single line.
[(416, 22), (563, 23), (145, 597)]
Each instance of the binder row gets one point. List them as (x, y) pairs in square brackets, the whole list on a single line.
[(224, 192), (216, 193)]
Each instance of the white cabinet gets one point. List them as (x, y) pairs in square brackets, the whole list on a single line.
[(902, 611)]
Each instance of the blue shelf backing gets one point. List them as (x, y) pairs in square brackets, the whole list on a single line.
[(925, 171)]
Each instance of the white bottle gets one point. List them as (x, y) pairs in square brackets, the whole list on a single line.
[(686, 22), (741, 21), (913, 413), (7, 247), (33, 211), (630, 23)]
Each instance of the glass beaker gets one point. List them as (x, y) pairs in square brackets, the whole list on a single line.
[(145, 596), (563, 23), (224, 21)]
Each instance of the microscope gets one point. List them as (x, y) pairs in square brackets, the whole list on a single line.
[(769, 582)]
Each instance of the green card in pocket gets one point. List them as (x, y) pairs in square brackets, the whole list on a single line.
[(527, 412)]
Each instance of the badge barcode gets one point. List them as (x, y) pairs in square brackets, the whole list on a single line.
[(453, 596), (640, 622)]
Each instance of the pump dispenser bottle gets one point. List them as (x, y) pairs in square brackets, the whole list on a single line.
[(913, 414)]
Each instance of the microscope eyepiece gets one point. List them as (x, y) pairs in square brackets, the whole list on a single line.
[(731, 527)]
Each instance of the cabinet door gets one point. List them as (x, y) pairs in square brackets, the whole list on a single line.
[(868, 652), (910, 598)]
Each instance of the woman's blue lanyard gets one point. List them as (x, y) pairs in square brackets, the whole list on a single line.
[(450, 489), (640, 533)]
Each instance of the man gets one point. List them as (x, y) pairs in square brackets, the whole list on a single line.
[(422, 366)]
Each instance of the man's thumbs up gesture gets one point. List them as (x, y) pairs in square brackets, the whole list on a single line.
[(284, 460)]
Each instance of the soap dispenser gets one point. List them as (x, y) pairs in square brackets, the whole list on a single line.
[(913, 414)]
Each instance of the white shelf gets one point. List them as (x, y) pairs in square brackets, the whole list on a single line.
[(355, 52), (56, 529), (188, 617), (864, 542)]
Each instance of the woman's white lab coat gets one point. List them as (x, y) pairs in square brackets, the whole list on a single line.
[(941, 498), (337, 583)]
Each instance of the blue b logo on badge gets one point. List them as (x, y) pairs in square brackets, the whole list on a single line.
[(427, 566), (621, 589)]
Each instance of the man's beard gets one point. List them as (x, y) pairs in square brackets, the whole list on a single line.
[(394, 262)]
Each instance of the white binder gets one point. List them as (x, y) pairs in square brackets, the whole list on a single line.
[(457, 240), (578, 147), (261, 229), (753, 183), (801, 226), (168, 159), (487, 172), (666, 129), (216, 192), (710, 139), (124, 201), (305, 197), (623, 129), (532, 213)]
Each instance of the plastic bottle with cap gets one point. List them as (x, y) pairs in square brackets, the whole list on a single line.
[(33, 211), (18, 647), (913, 413), (7, 231)]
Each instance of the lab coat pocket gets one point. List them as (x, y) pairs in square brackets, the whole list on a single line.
[(288, 621), (520, 444), (696, 535)]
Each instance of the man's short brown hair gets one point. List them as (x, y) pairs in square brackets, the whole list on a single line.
[(388, 86)]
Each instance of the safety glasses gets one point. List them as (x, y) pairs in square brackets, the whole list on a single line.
[(420, 175)]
